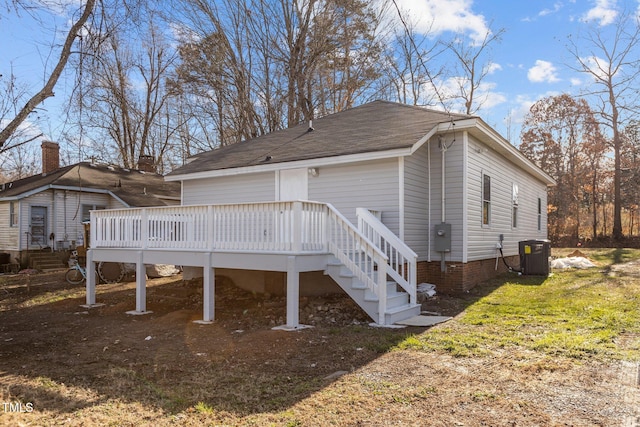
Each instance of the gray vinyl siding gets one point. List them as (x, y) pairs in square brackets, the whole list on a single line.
[(482, 239), (371, 184), (416, 202), (257, 187), (453, 195)]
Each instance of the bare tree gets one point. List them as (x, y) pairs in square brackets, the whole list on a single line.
[(264, 65), (472, 67), (47, 90), (613, 64), (122, 95), (406, 68)]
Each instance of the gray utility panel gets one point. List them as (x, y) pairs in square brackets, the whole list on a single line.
[(442, 237)]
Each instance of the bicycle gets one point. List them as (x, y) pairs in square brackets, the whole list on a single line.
[(76, 273)]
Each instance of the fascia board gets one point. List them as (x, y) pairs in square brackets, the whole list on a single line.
[(487, 135), (317, 162)]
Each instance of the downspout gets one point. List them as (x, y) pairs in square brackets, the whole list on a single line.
[(429, 200), (20, 245), (64, 213), (443, 149), (443, 212), (53, 230)]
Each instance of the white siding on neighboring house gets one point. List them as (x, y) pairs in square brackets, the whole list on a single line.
[(64, 214), (371, 184), (256, 187), (69, 208), (482, 239), (8, 234)]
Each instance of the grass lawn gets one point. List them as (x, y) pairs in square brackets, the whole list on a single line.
[(578, 314), (519, 351)]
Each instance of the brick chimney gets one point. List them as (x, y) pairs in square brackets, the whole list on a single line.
[(146, 163), (50, 156)]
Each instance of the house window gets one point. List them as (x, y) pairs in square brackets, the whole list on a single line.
[(486, 199), (13, 215), (539, 214), (86, 209), (514, 206)]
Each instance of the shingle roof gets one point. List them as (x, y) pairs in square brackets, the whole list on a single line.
[(135, 188), (376, 126)]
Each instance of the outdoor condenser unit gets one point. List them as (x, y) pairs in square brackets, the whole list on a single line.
[(534, 257)]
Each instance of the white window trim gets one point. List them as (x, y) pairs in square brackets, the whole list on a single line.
[(483, 201)]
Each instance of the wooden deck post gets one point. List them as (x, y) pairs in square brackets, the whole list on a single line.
[(91, 279), (91, 282), (293, 293), (141, 288), (208, 292), (293, 297)]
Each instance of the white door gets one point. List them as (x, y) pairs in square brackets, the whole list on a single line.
[(292, 184)]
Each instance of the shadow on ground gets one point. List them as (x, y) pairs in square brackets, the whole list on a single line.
[(63, 358)]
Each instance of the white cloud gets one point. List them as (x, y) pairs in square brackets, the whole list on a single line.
[(485, 97), (599, 67), (556, 7), (488, 98), (543, 71), (435, 17), (493, 67), (603, 11)]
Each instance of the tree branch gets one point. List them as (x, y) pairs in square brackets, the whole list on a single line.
[(47, 90)]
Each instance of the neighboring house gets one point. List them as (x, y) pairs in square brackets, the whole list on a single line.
[(47, 210), (447, 189)]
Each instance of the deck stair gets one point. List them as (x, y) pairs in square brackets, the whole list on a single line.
[(398, 305)]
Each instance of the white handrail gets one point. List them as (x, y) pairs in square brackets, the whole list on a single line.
[(402, 260), (360, 255)]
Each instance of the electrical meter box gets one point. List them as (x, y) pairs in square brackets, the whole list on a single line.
[(442, 237)]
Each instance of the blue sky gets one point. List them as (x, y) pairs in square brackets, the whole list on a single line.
[(532, 60), (529, 63)]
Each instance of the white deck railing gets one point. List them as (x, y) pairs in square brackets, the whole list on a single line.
[(255, 227), (268, 227)]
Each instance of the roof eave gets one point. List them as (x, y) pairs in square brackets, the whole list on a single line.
[(489, 136), (316, 162)]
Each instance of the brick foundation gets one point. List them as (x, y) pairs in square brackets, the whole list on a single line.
[(460, 277)]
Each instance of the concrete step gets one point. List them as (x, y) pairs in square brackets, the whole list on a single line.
[(396, 314)]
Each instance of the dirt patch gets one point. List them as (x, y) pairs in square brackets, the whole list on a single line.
[(631, 268), (577, 252), (101, 366)]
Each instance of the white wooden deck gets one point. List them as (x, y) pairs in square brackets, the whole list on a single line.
[(293, 237)]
